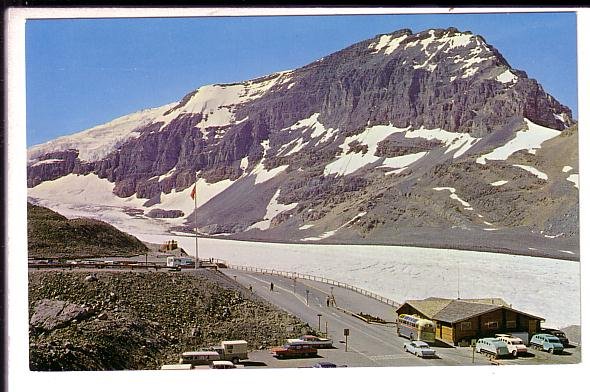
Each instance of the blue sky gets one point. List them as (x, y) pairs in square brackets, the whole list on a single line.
[(85, 72)]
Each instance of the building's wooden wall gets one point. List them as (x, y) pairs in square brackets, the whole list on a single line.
[(481, 326)]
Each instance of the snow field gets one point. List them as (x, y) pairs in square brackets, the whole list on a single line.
[(97, 142)]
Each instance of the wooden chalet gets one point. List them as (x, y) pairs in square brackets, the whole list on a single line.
[(465, 319)]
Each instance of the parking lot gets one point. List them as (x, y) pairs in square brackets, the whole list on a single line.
[(446, 356)]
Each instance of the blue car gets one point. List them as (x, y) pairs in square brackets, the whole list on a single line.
[(546, 342)]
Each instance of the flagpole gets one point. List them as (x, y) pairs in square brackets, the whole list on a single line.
[(196, 234)]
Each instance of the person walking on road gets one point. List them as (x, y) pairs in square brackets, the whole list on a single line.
[(272, 286), (328, 302)]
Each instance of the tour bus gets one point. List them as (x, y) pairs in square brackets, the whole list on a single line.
[(415, 328), (199, 357), (176, 262)]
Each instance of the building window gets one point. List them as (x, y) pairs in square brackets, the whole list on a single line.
[(491, 325), (510, 323), (465, 325)]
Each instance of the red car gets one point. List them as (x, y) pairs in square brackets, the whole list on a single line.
[(294, 351)]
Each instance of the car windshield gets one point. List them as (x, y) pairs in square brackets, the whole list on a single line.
[(553, 339), (422, 345)]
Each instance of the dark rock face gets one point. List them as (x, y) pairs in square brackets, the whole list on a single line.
[(300, 119), (159, 213), (52, 314)]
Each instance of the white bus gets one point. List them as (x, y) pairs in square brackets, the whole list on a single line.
[(199, 357), (416, 328)]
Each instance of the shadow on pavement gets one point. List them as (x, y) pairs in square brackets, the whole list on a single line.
[(252, 363)]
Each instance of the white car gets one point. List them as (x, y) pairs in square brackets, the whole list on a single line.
[(312, 340), (515, 345), (419, 349)]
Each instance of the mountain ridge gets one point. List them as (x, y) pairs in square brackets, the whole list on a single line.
[(344, 144)]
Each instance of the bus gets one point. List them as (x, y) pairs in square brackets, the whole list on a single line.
[(199, 357), (415, 328)]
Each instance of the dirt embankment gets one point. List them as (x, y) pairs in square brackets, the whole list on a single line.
[(141, 320)]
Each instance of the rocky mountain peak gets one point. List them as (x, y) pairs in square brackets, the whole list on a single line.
[(358, 134)]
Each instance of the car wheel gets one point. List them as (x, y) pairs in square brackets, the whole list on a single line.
[(514, 353), (550, 351)]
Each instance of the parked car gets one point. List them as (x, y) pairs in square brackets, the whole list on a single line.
[(325, 365), (558, 334), (294, 351), (222, 365), (492, 346), (419, 349), (546, 342), (312, 340), (515, 345)]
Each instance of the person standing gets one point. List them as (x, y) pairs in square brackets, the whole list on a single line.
[(272, 286)]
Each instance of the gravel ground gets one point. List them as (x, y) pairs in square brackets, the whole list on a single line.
[(108, 320)]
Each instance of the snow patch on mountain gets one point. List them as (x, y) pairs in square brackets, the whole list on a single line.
[(318, 129), (530, 139), (167, 174), (332, 232), (46, 162), (217, 102), (263, 175), (499, 183), (387, 43), (458, 142), (273, 209), (346, 163), (181, 200), (86, 189), (454, 196), (97, 142), (402, 162), (507, 77), (534, 171), (575, 178)]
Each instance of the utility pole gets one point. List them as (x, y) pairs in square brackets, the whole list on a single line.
[(319, 322), (196, 232), (458, 278), (307, 297)]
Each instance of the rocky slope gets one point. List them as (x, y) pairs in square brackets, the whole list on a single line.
[(426, 138), (141, 320), (51, 235)]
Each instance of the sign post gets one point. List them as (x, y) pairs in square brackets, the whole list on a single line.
[(319, 322), (346, 333)]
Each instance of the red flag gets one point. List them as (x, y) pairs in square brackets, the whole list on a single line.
[(194, 192)]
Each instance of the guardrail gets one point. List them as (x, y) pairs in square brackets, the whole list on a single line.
[(297, 275)]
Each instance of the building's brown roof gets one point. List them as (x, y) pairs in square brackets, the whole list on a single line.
[(430, 306), (458, 310), (455, 310)]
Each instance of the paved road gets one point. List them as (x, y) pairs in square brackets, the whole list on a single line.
[(368, 344)]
